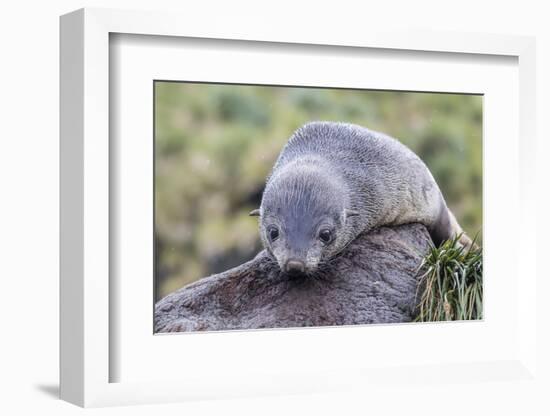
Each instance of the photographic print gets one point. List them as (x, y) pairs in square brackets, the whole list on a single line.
[(290, 206)]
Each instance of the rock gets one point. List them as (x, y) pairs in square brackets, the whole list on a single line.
[(373, 281)]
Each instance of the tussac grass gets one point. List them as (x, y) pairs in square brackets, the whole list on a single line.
[(451, 283)]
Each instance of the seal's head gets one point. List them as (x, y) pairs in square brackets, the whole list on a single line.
[(303, 219)]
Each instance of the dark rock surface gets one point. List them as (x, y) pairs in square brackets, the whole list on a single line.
[(372, 281)]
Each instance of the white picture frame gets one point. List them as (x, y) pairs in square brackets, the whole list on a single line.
[(87, 305)]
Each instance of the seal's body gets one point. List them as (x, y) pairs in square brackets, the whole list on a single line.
[(333, 181)]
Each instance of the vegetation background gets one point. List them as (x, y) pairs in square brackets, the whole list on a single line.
[(215, 145)]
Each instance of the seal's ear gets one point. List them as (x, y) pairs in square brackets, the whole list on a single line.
[(254, 213), (350, 213)]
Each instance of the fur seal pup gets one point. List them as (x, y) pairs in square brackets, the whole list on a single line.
[(334, 181)]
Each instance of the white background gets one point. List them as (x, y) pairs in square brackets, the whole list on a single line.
[(29, 205)]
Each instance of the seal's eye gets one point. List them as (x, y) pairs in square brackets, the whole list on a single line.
[(325, 235), (273, 233)]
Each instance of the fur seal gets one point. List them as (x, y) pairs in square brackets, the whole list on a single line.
[(334, 181)]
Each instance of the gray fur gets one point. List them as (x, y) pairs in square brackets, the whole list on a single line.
[(348, 179)]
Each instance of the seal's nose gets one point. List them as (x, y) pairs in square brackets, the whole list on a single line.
[(295, 266)]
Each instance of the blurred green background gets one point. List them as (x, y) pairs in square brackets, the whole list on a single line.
[(215, 145)]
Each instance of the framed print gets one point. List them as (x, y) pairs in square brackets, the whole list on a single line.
[(371, 163)]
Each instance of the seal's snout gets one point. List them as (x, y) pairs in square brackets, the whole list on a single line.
[(295, 266)]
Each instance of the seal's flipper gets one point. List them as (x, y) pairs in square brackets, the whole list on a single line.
[(446, 227), (443, 227)]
